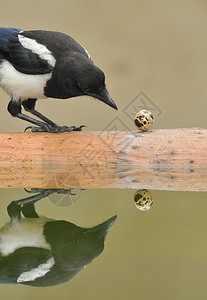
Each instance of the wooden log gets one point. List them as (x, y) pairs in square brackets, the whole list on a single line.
[(169, 159)]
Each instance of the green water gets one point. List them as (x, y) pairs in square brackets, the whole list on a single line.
[(156, 254)]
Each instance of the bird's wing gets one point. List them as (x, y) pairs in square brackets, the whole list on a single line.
[(13, 267), (57, 42), (25, 54), (5, 34)]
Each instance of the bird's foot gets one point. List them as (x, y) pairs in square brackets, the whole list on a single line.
[(54, 129), (52, 191)]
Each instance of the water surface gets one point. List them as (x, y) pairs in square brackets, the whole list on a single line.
[(160, 252)]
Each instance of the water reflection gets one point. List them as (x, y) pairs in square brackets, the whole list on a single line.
[(58, 197), (143, 199), (39, 251)]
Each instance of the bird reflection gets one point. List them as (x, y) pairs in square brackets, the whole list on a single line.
[(38, 251)]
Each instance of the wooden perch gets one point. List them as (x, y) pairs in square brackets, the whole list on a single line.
[(170, 159)]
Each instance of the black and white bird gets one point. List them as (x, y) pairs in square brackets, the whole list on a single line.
[(39, 64), (38, 251)]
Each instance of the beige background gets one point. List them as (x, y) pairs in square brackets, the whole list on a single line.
[(158, 48)]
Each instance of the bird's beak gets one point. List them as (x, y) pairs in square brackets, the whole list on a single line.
[(104, 227), (105, 97)]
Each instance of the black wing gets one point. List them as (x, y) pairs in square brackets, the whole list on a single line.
[(21, 260), (5, 34), (28, 59), (56, 42), (25, 60)]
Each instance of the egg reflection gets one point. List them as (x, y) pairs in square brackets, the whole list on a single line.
[(143, 200)]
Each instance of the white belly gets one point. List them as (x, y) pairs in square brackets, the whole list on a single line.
[(22, 86), (26, 233)]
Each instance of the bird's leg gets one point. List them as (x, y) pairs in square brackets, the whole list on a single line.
[(25, 205), (28, 211), (14, 108), (29, 105)]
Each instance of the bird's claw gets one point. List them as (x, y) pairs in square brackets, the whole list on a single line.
[(54, 129), (27, 128)]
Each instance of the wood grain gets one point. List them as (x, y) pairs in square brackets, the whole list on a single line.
[(165, 159)]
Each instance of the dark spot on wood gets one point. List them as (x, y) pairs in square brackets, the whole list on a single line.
[(191, 161), (161, 161)]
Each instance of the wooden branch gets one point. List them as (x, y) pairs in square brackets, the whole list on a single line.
[(170, 159)]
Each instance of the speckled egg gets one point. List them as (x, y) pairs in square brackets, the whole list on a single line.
[(143, 200), (144, 120)]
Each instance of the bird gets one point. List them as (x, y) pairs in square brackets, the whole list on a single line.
[(36, 64), (39, 251)]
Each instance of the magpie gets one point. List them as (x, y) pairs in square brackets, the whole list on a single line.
[(39, 251), (40, 64)]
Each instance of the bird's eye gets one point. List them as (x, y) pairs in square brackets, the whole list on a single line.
[(82, 88), (87, 90)]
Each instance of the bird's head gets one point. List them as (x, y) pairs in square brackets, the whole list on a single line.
[(86, 79)]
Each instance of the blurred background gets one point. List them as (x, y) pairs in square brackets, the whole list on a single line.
[(154, 55)]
